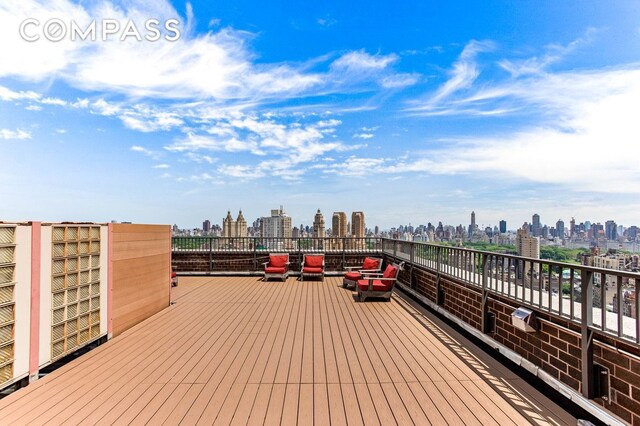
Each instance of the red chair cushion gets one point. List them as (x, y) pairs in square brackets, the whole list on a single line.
[(278, 261), (310, 270), (174, 274), (370, 263), (390, 272), (313, 261), (353, 276), (275, 269), (377, 285)]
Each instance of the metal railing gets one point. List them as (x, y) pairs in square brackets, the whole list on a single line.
[(544, 285), (265, 245)]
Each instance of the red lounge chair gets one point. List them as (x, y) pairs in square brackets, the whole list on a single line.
[(174, 279), (379, 285), (370, 265), (312, 266), (277, 267)]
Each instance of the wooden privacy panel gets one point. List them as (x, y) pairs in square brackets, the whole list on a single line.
[(7, 302), (75, 287), (141, 260)]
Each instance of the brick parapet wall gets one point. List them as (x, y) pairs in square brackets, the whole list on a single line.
[(242, 262), (555, 347)]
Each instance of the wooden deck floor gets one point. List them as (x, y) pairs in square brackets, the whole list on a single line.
[(239, 351)]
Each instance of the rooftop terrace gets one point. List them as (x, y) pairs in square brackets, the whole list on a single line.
[(241, 351)]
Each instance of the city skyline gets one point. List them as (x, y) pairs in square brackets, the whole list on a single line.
[(536, 225), (405, 111)]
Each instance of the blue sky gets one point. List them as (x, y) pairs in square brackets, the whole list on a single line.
[(410, 111)]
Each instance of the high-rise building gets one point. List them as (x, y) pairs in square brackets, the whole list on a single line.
[(206, 226), (234, 228), (357, 225), (527, 246), (535, 225), (503, 226), (339, 224), (560, 228), (376, 230), (318, 225), (472, 226), (611, 230), (572, 228), (278, 225)]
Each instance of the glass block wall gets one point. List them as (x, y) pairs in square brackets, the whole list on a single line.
[(75, 287), (7, 301)]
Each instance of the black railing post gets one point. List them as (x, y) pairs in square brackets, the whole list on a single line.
[(586, 343), (439, 289), (344, 259), (255, 255), (210, 253), (486, 324), (412, 247)]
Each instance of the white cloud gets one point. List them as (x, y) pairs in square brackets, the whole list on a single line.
[(398, 81), (553, 53), (101, 107), (53, 101), (33, 108), (357, 167), (360, 60), (7, 94), (363, 135), (61, 131), (213, 65), (148, 152), (14, 134), (150, 121), (326, 21), (586, 127), (161, 166), (241, 172), (461, 76), (193, 142)]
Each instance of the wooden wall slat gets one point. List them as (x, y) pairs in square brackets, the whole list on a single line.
[(141, 273)]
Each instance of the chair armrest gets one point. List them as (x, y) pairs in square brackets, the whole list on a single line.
[(370, 280), (366, 275), (265, 264)]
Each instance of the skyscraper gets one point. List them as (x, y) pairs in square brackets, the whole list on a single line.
[(503, 226), (560, 228), (318, 225), (357, 225), (535, 225), (339, 224), (611, 230), (278, 225), (572, 228), (472, 226), (234, 228), (527, 246), (206, 226)]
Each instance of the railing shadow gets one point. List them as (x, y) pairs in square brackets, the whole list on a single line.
[(497, 378)]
